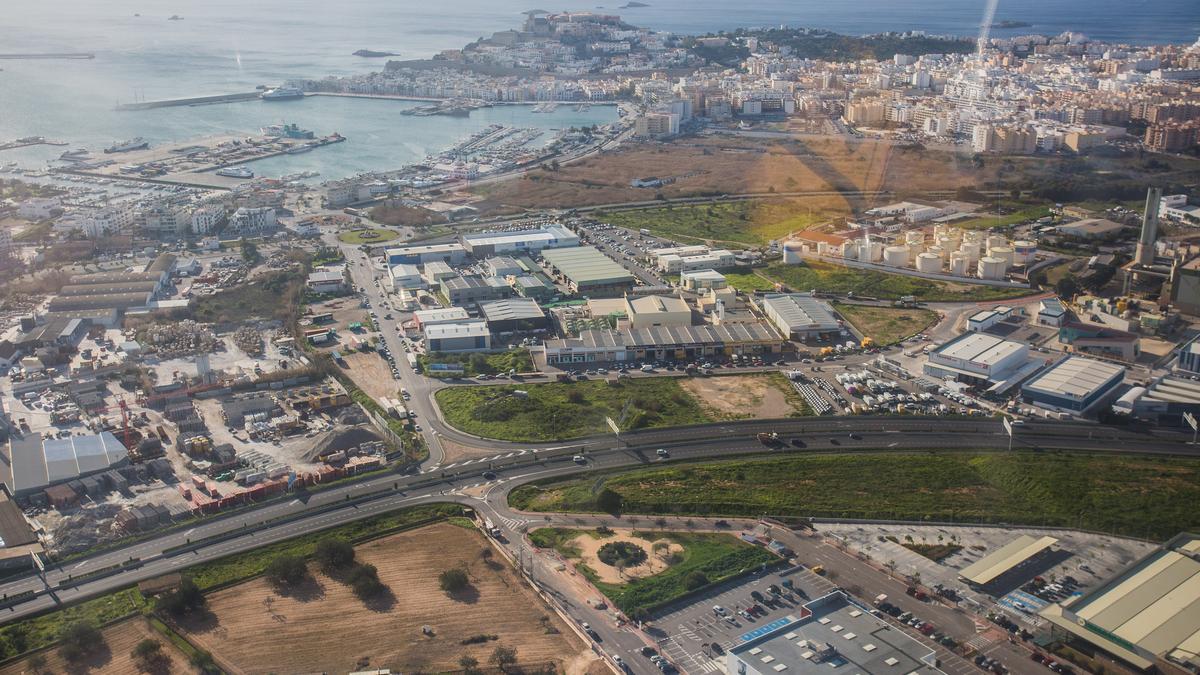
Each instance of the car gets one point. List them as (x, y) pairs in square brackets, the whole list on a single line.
[(757, 596), (745, 615), (719, 610), (489, 475), (1036, 657), (662, 452), (650, 652), (579, 459)]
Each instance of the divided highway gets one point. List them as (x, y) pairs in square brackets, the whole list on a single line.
[(224, 535)]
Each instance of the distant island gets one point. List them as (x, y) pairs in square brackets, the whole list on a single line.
[(372, 54), (633, 4), (1011, 24)]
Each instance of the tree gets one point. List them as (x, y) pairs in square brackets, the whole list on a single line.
[(503, 657), (149, 657), (186, 598), (453, 580), (333, 554), (364, 580), (286, 570), (1066, 287), (609, 501), (695, 579), (249, 251), (37, 663), (469, 664), (80, 640)]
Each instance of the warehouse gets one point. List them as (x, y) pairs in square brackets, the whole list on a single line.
[(17, 539), (1164, 402), (327, 280), (587, 271), (471, 289), (648, 311), (1074, 383), (1147, 616), (33, 464), (502, 266), (978, 358), (664, 343), (118, 301), (72, 290), (1091, 228), (431, 317), (236, 411), (700, 280), (405, 275), (529, 286), (1051, 312), (436, 271), (718, 259), (486, 244), (418, 255), (462, 336), (1006, 562), (111, 278), (513, 315), (800, 316)]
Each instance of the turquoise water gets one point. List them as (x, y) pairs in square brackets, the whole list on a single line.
[(225, 46)]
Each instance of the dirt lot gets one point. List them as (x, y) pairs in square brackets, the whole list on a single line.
[(655, 560), (737, 165), (254, 629), (371, 373), (120, 639), (740, 396)]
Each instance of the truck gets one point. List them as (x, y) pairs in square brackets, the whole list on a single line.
[(491, 528), (769, 439), (880, 599)]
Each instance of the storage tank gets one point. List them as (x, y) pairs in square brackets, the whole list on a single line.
[(848, 250), (992, 268), (793, 252), (895, 256), (974, 236), (869, 251), (822, 248), (1004, 252), (929, 263), (960, 264), (947, 243), (971, 250), (1025, 252), (996, 241), (937, 250)]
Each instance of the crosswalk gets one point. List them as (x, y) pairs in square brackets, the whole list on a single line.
[(688, 661), (484, 460)]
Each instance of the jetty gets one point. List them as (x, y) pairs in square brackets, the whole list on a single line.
[(194, 100)]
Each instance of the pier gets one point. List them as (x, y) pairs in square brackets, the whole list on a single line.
[(48, 55), (28, 141), (194, 100)]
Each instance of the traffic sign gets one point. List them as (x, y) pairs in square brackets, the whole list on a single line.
[(612, 424), (1190, 419)]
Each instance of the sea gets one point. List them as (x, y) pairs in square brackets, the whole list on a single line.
[(225, 46)]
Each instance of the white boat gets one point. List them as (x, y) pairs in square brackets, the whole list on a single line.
[(235, 172), (282, 94), (138, 143)]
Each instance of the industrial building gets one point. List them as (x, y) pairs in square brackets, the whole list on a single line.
[(461, 336), (237, 410), (1164, 402), (1099, 339), (671, 343), (800, 316), (1185, 287), (18, 542), (1091, 228), (1006, 562), (327, 280), (979, 359), (420, 254), (436, 271), (1051, 312), (648, 311), (983, 320), (513, 315), (1074, 383), (587, 271), (704, 259), (832, 634), (486, 244), (1146, 616), (405, 275), (1189, 356), (34, 463), (471, 289), (501, 266), (530, 286), (699, 280), (431, 317)]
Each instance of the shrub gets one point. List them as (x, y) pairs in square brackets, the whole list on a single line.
[(80, 640), (479, 639), (186, 598), (334, 554), (695, 579), (364, 579), (453, 580), (286, 570), (149, 656), (609, 501), (621, 554)]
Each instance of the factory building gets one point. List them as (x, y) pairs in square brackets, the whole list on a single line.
[(327, 280), (461, 336), (1101, 340), (1164, 402), (486, 244), (983, 320), (34, 463), (470, 289), (1146, 616), (681, 343), (700, 280), (979, 359), (587, 271), (431, 317), (1051, 312), (405, 275), (513, 315), (648, 311), (717, 259), (502, 266), (452, 254), (436, 271), (800, 316), (530, 286), (1075, 384)]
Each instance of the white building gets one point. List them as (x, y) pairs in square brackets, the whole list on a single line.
[(977, 358), (39, 208), (252, 220), (486, 244), (405, 276), (206, 219), (461, 336), (800, 316)]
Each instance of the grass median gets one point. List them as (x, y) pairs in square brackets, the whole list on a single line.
[(565, 410), (1150, 497)]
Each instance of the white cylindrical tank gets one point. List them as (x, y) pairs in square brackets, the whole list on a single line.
[(849, 250), (895, 256), (947, 243), (793, 252), (992, 268), (971, 250), (973, 236), (937, 250), (1024, 252), (869, 251), (1003, 252), (929, 263), (822, 248), (996, 241), (960, 264)]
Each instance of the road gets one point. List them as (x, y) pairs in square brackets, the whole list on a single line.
[(223, 535)]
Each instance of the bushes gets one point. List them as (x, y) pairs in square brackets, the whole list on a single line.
[(80, 640), (695, 580), (364, 580), (286, 570), (453, 580), (621, 554), (333, 554), (187, 598)]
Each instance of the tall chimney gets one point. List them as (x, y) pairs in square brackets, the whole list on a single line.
[(1145, 248)]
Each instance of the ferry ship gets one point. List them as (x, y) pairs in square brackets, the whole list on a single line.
[(235, 172), (74, 155), (282, 94), (138, 143), (287, 131)]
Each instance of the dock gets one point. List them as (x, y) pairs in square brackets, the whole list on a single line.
[(48, 55), (26, 142), (193, 100)]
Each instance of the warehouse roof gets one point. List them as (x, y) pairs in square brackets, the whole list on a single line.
[(549, 235), (1174, 390), (35, 463), (979, 348), (427, 317), (656, 304), (799, 311), (103, 301), (116, 277), (1091, 227), (424, 248), (109, 289), (989, 568), (587, 265), (1152, 609), (512, 309), (1075, 377), (459, 329), (668, 335)]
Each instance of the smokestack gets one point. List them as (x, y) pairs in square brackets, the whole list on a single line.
[(1145, 248)]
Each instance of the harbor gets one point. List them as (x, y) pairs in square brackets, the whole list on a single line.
[(190, 101), (29, 141)]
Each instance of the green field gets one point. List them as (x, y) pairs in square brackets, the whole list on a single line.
[(886, 325), (741, 223), (748, 282), (830, 278), (560, 411), (367, 235), (44, 630), (479, 364), (1138, 496), (716, 556), (1018, 214)]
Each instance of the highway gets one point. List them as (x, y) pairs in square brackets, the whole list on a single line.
[(281, 520)]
